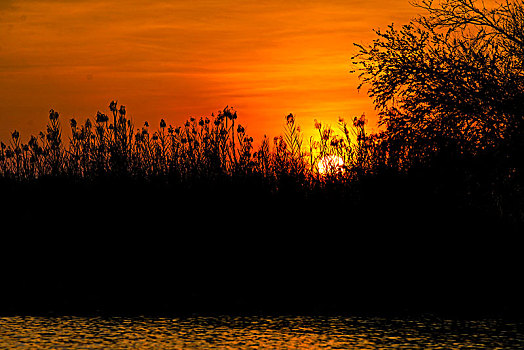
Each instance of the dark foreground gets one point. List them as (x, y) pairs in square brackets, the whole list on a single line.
[(121, 248)]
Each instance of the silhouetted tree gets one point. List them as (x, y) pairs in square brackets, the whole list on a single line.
[(449, 89)]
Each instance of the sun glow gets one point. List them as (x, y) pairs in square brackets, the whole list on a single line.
[(330, 164)]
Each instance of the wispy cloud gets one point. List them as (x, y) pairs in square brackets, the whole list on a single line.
[(177, 56)]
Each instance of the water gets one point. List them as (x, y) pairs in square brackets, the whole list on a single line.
[(256, 333)]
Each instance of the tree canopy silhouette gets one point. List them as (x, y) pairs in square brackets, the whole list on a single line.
[(449, 90), (449, 81)]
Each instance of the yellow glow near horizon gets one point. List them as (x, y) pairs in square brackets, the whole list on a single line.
[(330, 164)]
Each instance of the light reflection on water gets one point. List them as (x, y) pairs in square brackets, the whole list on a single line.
[(256, 333)]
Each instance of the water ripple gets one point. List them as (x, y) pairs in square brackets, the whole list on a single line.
[(227, 332)]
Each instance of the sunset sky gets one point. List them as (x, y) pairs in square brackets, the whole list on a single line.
[(176, 59)]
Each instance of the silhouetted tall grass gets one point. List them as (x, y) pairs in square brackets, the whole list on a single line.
[(209, 152), (202, 148)]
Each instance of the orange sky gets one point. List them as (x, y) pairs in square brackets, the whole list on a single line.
[(175, 59)]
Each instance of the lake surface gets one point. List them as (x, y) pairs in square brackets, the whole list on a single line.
[(227, 332)]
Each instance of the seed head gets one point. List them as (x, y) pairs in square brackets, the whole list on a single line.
[(290, 119), (101, 117), (53, 115), (112, 106)]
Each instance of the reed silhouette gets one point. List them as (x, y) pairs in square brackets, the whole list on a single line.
[(424, 215)]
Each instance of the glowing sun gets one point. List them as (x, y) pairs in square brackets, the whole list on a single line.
[(330, 164)]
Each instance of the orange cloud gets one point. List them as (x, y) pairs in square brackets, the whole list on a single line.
[(176, 59)]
